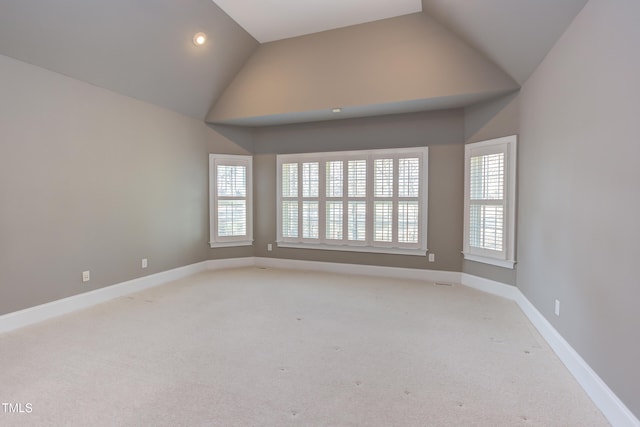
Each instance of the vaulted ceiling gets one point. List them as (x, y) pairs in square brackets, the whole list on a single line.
[(142, 48), (515, 35), (453, 53), (273, 20), (397, 65)]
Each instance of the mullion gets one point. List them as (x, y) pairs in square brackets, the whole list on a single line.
[(345, 202), (370, 199), (322, 201), (357, 214), (395, 206)]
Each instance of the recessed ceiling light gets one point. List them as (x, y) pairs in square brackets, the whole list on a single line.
[(337, 110), (199, 39)]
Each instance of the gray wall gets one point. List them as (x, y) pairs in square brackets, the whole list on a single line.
[(442, 131), (579, 194), (394, 131), (92, 180)]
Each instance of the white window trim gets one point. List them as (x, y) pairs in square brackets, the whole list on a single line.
[(419, 249), (353, 248), (506, 258), (232, 160)]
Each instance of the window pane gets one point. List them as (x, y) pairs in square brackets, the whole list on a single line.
[(357, 171), (368, 198), (408, 225), (232, 218), (487, 177), (383, 178), (232, 181), (486, 223), (334, 220), (310, 179), (409, 177), (356, 222), (382, 223), (310, 220), (289, 219), (290, 180), (334, 178)]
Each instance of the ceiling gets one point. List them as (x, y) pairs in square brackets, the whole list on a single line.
[(143, 48), (281, 19), (378, 68), (516, 35)]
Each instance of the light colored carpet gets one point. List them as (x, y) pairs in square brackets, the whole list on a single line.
[(262, 347)]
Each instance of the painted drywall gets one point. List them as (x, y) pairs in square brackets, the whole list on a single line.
[(487, 120), (241, 136), (382, 63), (142, 49), (492, 119), (394, 131), (93, 180), (441, 131), (578, 191), (516, 35)]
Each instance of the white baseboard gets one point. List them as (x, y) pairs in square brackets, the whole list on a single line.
[(362, 270), (605, 399), (39, 313), (490, 286), (220, 264), (610, 405)]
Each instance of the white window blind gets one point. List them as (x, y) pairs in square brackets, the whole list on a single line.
[(490, 201), (232, 203), (230, 200), (359, 200)]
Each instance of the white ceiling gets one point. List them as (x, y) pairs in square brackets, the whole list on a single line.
[(281, 19)]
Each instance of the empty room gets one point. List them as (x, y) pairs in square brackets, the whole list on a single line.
[(319, 213)]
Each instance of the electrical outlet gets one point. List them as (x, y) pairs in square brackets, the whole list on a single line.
[(432, 257), (269, 247), (144, 263), (86, 276), (557, 309)]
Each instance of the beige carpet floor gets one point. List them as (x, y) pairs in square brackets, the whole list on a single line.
[(263, 347)]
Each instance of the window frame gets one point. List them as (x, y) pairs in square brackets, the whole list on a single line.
[(344, 244), (215, 160), (506, 257)]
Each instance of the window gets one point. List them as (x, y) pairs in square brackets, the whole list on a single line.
[(230, 200), (489, 201), (370, 201)]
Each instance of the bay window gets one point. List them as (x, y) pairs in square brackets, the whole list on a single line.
[(370, 201)]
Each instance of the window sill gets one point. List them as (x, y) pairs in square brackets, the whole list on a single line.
[(493, 261), (230, 244), (346, 248)]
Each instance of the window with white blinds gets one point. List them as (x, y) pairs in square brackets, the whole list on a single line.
[(489, 228), (230, 188), (370, 201)]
